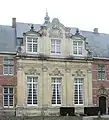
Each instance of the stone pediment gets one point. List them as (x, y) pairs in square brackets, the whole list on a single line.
[(102, 91), (32, 71), (56, 72), (78, 73)]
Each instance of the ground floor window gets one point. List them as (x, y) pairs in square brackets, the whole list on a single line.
[(56, 90), (8, 97), (78, 93), (32, 90)]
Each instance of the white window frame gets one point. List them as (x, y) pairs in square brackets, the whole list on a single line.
[(8, 97), (55, 53), (59, 83), (78, 48), (8, 66), (101, 70), (78, 85), (32, 45), (34, 105)]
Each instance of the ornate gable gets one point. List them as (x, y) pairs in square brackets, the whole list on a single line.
[(56, 72), (78, 73), (32, 71), (55, 31)]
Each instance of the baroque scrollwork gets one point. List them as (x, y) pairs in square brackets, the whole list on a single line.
[(78, 73), (55, 31), (32, 71), (44, 69), (56, 72)]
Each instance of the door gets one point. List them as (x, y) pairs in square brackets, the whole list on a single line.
[(102, 104)]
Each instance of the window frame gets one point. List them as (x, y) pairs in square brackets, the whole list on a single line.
[(101, 70), (56, 83), (8, 94), (55, 46), (32, 76), (77, 46), (78, 85), (33, 37), (8, 66)]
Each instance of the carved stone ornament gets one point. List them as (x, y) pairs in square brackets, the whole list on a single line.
[(55, 31), (78, 73), (102, 90), (32, 71), (67, 70), (20, 66), (56, 72), (44, 69)]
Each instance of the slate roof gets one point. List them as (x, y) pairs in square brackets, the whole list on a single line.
[(7, 39), (98, 43)]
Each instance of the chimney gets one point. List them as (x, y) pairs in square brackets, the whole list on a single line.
[(95, 30), (13, 22)]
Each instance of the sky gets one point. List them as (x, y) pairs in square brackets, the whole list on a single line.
[(84, 14)]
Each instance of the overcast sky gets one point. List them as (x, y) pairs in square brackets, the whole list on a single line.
[(84, 14)]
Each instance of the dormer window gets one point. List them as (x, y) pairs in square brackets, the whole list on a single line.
[(78, 47), (55, 46), (32, 45)]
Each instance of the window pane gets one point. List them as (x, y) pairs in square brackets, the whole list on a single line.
[(29, 47), (34, 47)]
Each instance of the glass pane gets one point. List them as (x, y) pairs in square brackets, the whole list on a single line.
[(5, 100), (29, 47), (5, 90), (11, 90), (34, 47), (5, 69), (10, 100), (29, 39), (34, 40), (80, 43)]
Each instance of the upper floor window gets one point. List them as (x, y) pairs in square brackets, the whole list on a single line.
[(78, 48), (101, 72), (55, 46), (32, 45), (8, 66)]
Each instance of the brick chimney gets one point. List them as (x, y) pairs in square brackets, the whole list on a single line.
[(13, 22), (95, 30)]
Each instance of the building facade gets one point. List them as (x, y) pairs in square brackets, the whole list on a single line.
[(47, 68), (54, 71)]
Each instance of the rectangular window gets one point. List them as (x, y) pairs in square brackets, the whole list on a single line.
[(32, 90), (78, 47), (101, 72), (8, 66), (8, 97), (56, 91), (55, 46), (32, 45), (78, 93)]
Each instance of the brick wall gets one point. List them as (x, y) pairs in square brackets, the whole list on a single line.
[(7, 80), (95, 82)]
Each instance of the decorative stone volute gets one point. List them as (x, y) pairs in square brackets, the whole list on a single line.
[(56, 72), (32, 71), (78, 73)]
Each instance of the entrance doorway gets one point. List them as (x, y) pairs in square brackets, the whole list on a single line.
[(102, 104)]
